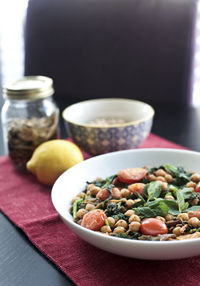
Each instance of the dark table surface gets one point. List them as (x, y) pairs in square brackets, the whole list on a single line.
[(21, 264)]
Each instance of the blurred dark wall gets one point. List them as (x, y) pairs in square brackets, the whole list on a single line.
[(112, 48)]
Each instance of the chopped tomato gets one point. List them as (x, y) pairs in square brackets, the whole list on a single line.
[(104, 194), (131, 175), (137, 188), (116, 181), (153, 226), (197, 189), (194, 214), (94, 219), (116, 194)]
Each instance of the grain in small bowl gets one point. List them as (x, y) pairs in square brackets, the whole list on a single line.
[(106, 125)]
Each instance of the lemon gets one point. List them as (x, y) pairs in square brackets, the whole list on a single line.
[(52, 158)]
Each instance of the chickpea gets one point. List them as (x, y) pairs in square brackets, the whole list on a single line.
[(80, 213), (184, 227), (111, 221), (168, 178), (160, 172), (178, 231), (90, 187), (195, 202), (137, 200), (122, 223), (134, 226), (195, 177), (169, 197), (129, 203), (89, 207), (190, 184), (194, 221), (151, 177), (75, 199), (134, 217), (116, 194), (164, 186), (169, 217), (123, 200), (105, 228), (161, 179), (125, 193), (129, 212), (161, 218), (95, 191), (92, 190), (81, 195), (119, 229), (183, 216)]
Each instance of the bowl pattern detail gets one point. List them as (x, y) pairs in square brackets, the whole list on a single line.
[(102, 140)]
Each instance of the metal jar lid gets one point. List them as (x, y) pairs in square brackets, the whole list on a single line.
[(29, 88)]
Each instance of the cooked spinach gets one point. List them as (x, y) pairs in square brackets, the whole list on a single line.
[(131, 235), (141, 197), (103, 183), (157, 208), (193, 208), (113, 209), (109, 188), (188, 194), (173, 207), (153, 190), (171, 204), (121, 216), (75, 206), (106, 222), (182, 205), (121, 235), (172, 188), (181, 177), (154, 169)]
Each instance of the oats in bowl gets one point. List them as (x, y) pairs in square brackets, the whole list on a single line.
[(106, 121), (96, 127)]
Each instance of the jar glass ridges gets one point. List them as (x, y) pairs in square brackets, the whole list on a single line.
[(29, 116)]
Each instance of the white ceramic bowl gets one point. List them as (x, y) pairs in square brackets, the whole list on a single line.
[(74, 180), (99, 139)]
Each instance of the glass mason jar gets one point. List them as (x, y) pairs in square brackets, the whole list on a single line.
[(29, 117)]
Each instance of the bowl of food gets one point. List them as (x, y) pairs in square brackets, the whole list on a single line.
[(105, 125), (141, 203)]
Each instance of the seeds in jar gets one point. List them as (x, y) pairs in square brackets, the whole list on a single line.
[(24, 135), (144, 210)]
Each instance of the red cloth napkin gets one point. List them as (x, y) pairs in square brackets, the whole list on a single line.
[(28, 205)]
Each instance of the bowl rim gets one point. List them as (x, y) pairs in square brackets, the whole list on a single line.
[(113, 125), (73, 225)]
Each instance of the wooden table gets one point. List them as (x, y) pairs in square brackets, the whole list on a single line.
[(21, 264)]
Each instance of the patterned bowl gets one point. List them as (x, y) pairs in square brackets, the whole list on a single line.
[(105, 125)]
